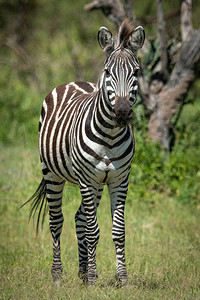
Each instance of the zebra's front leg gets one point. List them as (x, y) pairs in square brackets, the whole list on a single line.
[(54, 197), (118, 198), (89, 198), (80, 219), (81, 222)]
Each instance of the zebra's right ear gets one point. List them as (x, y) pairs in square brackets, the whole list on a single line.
[(137, 38), (105, 40)]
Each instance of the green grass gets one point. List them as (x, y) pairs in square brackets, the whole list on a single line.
[(162, 242)]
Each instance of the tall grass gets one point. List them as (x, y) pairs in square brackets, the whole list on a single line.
[(162, 242)]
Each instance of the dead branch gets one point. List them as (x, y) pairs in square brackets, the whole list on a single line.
[(112, 9), (186, 19), (145, 20)]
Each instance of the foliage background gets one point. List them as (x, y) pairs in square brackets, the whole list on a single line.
[(58, 43)]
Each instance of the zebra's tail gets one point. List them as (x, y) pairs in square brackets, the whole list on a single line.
[(38, 200)]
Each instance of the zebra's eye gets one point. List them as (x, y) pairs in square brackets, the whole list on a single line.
[(107, 71), (136, 72)]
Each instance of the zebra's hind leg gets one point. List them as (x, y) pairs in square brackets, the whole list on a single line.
[(54, 189), (80, 219)]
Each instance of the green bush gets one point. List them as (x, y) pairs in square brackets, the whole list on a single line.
[(20, 108), (176, 175)]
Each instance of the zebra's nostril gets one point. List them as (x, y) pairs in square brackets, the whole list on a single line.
[(123, 114)]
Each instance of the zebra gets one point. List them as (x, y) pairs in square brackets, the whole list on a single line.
[(85, 138)]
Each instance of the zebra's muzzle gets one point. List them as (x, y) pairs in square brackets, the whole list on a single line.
[(123, 112)]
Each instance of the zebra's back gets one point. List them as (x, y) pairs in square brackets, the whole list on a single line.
[(58, 114)]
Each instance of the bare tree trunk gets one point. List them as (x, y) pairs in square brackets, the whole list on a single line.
[(181, 79), (162, 41), (175, 91)]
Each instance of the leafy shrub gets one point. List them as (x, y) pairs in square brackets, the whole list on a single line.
[(176, 175)]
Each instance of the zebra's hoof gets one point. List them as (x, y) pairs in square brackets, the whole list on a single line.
[(58, 281), (57, 278), (91, 279), (83, 276), (82, 272), (121, 281)]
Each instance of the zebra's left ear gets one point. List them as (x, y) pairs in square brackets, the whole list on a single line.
[(105, 40), (137, 38)]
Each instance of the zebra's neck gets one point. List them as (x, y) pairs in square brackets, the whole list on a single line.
[(100, 122)]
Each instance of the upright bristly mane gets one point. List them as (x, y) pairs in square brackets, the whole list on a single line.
[(125, 31)]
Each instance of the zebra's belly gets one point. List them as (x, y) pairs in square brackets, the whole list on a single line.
[(78, 167), (102, 172), (102, 165)]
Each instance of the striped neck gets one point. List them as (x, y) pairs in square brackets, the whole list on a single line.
[(100, 120)]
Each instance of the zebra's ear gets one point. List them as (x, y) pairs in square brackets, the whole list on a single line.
[(137, 38), (105, 40)]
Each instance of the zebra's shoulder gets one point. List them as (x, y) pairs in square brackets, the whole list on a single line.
[(76, 87), (68, 90), (85, 87)]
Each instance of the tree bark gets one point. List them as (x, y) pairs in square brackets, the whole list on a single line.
[(162, 41), (186, 19), (175, 91)]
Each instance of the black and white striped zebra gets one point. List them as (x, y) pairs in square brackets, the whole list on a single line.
[(85, 138)]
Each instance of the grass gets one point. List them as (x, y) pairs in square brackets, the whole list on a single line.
[(162, 242)]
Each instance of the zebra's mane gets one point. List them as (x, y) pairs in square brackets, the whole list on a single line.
[(125, 33)]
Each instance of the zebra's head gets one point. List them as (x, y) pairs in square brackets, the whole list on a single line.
[(119, 79)]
